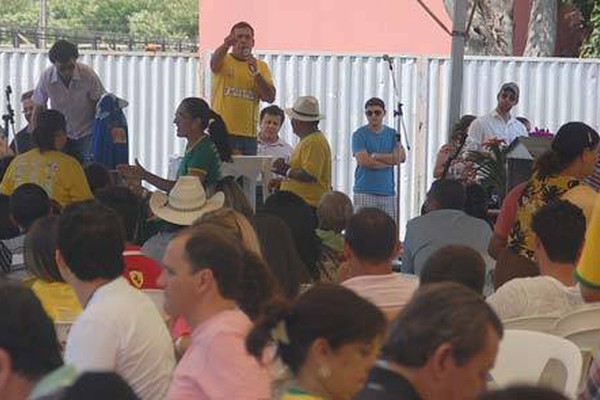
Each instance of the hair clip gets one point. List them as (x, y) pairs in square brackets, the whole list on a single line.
[(279, 333)]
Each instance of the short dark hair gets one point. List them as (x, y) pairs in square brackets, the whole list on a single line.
[(63, 51), (27, 333), (375, 102), (28, 203), (49, 122), (27, 95), (91, 240), (40, 249), (272, 110), (448, 193), (520, 392), (242, 24), (440, 313), (327, 311), (210, 248), (561, 227), (100, 385), (372, 235), (455, 263), (126, 204)]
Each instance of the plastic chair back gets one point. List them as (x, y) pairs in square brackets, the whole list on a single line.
[(537, 323), (524, 355)]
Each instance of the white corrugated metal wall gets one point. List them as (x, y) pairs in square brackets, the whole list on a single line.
[(553, 91)]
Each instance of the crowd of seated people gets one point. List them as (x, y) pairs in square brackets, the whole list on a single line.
[(182, 289)]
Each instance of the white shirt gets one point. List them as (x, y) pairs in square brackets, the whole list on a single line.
[(121, 330), (279, 149), (77, 102), (492, 125), (390, 292), (538, 296)]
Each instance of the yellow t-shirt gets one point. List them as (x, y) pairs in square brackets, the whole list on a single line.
[(588, 268), (59, 174), (584, 197), (235, 95), (58, 299), (296, 394), (313, 155)]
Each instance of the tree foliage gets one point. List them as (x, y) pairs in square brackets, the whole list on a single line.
[(172, 19)]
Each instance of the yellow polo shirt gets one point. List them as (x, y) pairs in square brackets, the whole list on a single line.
[(588, 268), (313, 155), (235, 95)]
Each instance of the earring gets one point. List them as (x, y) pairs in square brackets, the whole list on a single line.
[(324, 372)]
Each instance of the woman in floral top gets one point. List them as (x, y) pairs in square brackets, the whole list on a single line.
[(571, 158)]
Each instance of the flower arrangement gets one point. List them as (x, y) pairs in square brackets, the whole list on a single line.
[(541, 133)]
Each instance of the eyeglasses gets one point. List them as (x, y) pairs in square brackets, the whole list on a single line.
[(370, 113)]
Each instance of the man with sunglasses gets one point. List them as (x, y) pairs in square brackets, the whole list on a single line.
[(377, 151), (73, 89), (498, 123)]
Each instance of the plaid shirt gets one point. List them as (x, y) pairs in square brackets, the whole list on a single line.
[(592, 386)]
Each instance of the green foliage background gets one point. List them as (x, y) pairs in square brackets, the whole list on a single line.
[(172, 19)]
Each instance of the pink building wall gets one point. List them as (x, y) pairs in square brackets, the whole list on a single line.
[(340, 26)]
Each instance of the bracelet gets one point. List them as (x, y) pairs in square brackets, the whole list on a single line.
[(287, 173), (374, 156)]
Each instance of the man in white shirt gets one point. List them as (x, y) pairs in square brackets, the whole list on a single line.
[(269, 142), (560, 231), (498, 123), (371, 243), (73, 89), (120, 328)]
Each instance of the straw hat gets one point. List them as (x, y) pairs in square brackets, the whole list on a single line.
[(306, 108), (186, 202)]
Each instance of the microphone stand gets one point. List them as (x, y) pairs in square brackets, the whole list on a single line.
[(9, 117), (400, 124)]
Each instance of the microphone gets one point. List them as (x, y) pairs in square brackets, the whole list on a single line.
[(389, 60), (8, 92)]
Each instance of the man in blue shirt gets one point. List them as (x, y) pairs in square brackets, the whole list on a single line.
[(377, 152)]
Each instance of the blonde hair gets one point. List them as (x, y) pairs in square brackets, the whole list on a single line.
[(334, 211), (234, 223)]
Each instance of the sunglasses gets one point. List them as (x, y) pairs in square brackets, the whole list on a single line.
[(370, 113)]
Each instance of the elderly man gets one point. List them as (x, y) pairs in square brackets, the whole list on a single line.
[(309, 169), (441, 346), (498, 123), (240, 83), (202, 277), (73, 89)]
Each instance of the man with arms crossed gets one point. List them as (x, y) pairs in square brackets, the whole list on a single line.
[(376, 151)]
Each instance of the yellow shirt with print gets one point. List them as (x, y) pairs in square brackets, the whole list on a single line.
[(588, 268), (59, 174), (235, 95), (313, 155), (58, 299)]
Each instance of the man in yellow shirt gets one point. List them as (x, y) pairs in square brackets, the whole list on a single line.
[(309, 170), (240, 82), (588, 268)]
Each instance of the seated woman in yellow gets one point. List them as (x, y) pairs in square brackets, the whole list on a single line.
[(572, 157), (57, 297), (59, 174), (207, 146)]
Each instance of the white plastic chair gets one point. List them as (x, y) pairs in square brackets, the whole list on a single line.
[(523, 356), (535, 323), (582, 326)]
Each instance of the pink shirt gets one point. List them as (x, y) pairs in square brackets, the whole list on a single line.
[(390, 292), (508, 212), (77, 102), (216, 365)]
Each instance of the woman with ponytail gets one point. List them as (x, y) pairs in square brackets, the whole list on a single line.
[(329, 340), (207, 146), (571, 158)]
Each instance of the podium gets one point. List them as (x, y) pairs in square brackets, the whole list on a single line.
[(520, 158), (250, 168)]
